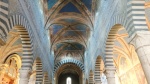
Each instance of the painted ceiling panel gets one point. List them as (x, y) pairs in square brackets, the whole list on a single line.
[(88, 3), (59, 45), (70, 33), (69, 20), (73, 31), (56, 28), (69, 8), (81, 27), (71, 46), (51, 3)]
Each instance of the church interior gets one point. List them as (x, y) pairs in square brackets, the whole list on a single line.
[(74, 41)]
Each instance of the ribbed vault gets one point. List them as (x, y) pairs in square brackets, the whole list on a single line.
[(69, 23)]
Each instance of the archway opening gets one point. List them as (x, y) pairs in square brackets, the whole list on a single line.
[(68, 77), (91, 77), (123, 58), (68, 80), (99, 69), (69, 74)]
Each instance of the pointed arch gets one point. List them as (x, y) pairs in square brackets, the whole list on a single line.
[(86, 81), (4, 27), (91, 77), (109, 46), (39, 71), (109, 54), (99, 68), (46, 79), (22, 26), (69, 60)]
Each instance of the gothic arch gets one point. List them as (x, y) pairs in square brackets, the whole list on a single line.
[(109, 46), (99, 68), (136, 21), (4, 27), (86, 81), (46, 79), (22, 26), (109, 54), (19, 23), (39, 71), (11, 47), (65, 61), (91, 77), (130, 23)]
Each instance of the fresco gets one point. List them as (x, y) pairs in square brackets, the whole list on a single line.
[(129, 69)]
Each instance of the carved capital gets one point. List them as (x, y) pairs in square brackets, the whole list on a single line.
[(140, 39), (110, 73)]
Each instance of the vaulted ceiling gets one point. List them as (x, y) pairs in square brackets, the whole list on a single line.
[(70, 23)]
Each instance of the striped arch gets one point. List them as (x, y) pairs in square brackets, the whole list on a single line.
[(65, 61), (39, 73), (4, 28), (86, 81), (135, 19), (91, 78), (109, 47), (99, 68), (21, 25), (46, 79), (136, 16)]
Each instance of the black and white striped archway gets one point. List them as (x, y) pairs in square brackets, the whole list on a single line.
[(91, 77), (70, 60), (19, 23), (39, 71), (99, 69), (46, 79), (134, 21), (22, 26)]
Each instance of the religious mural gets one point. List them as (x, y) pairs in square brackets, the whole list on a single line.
[(129, 70)]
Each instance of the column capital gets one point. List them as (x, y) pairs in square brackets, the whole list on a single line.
[(110, 73), (140, 38), (141, 42)]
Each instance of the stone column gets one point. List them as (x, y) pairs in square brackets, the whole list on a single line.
[(32, 79), (110, 75), (141, 42), (24, 76)]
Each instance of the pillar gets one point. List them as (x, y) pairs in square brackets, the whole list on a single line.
[(110, 75), (24, 76), (32, 79), (141, 41)]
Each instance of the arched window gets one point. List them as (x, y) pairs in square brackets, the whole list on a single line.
[(68, 80)]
